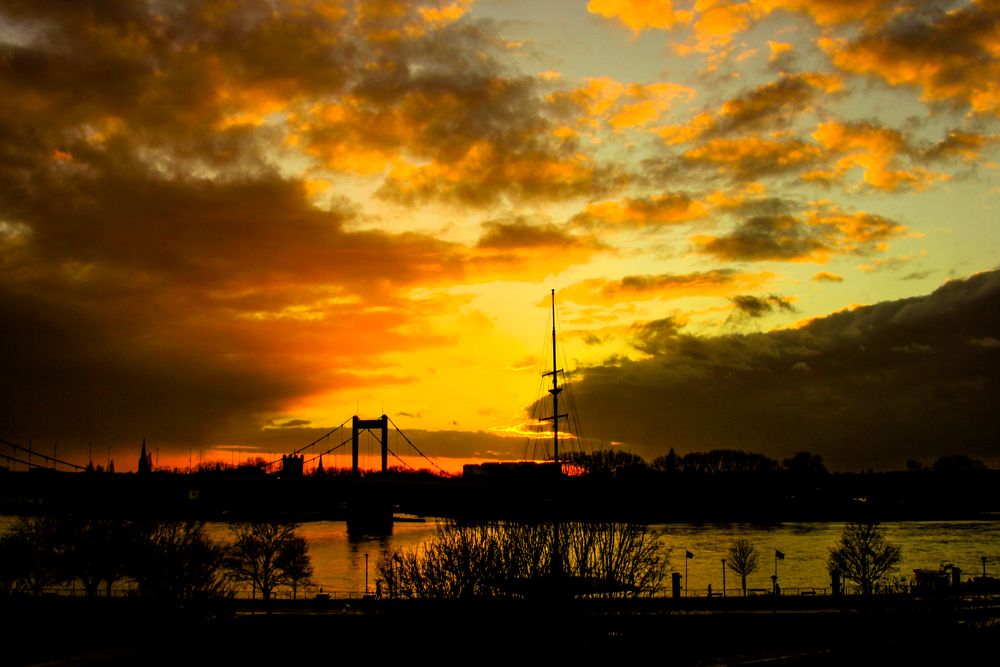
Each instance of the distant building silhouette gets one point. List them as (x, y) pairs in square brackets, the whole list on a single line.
[(291, 466), (145, 460)]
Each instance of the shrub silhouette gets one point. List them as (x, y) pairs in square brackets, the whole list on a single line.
[(500, 560)]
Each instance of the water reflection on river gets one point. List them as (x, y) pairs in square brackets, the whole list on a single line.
[(339, 562)]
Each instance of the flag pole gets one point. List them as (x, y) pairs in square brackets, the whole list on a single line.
[(687, 556)]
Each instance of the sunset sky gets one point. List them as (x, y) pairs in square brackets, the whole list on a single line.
[(232, 225)]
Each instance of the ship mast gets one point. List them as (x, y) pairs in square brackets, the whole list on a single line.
[(555, 389)]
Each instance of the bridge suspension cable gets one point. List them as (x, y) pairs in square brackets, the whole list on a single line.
[(329, 451), (33, 452), (415, 448), (320, 438)]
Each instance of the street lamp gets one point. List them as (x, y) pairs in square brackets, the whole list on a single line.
[(392, 575)]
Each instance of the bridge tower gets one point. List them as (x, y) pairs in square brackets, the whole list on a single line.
[(358, 425)]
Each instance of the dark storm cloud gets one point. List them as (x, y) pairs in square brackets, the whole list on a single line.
[(71, 379), (520, 232), (812, 236), (874, 386), (665, 285), (781, 237), (775, 104), (958, 145), (168, 72)]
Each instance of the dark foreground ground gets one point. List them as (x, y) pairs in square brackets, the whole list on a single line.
[(820, 631)]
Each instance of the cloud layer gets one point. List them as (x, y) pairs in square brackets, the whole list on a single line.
[(221, 220), (873, 386)]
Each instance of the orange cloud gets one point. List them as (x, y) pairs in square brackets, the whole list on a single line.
[(873, 149), (639, 15), (656, 210), (772, 104), (717, 22), (776, 238), (445, 13), (887, 264), (698, 126), (593, 99), (622, 106), (778, 50), (518, 247), (652, 100), (832, 12), (737, 198), (790, 94), (950, 56), (394, 20), (827, 277), (749, 158), (810, 237), (966, 146), (488, 171)]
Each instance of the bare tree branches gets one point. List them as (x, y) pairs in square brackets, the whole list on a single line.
[(863, 555), (268, 555), (510, 560), (742, 560)]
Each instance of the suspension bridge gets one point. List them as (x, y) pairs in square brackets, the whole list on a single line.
[(377, 428), (353, 428)]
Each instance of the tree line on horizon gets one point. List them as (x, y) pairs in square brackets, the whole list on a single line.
[(619, 463)]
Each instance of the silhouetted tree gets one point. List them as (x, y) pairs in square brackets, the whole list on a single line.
[(719, 461), (508, 560), (15, 559), (607, 463), (806, 464), (958, 464), (294, 561), (36, 553), (97, 550), (742, 560), (669, 463), (176, 564), (256, 556), (863, 555)]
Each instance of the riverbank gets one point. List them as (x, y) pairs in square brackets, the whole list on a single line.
[(371, 500)]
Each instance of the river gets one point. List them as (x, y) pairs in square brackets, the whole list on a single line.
[(339, 562), (340, 565)]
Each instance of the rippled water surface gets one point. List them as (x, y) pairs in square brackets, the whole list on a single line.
[(339, 561)]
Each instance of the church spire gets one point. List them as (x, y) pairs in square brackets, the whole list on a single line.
[(145, 460)]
